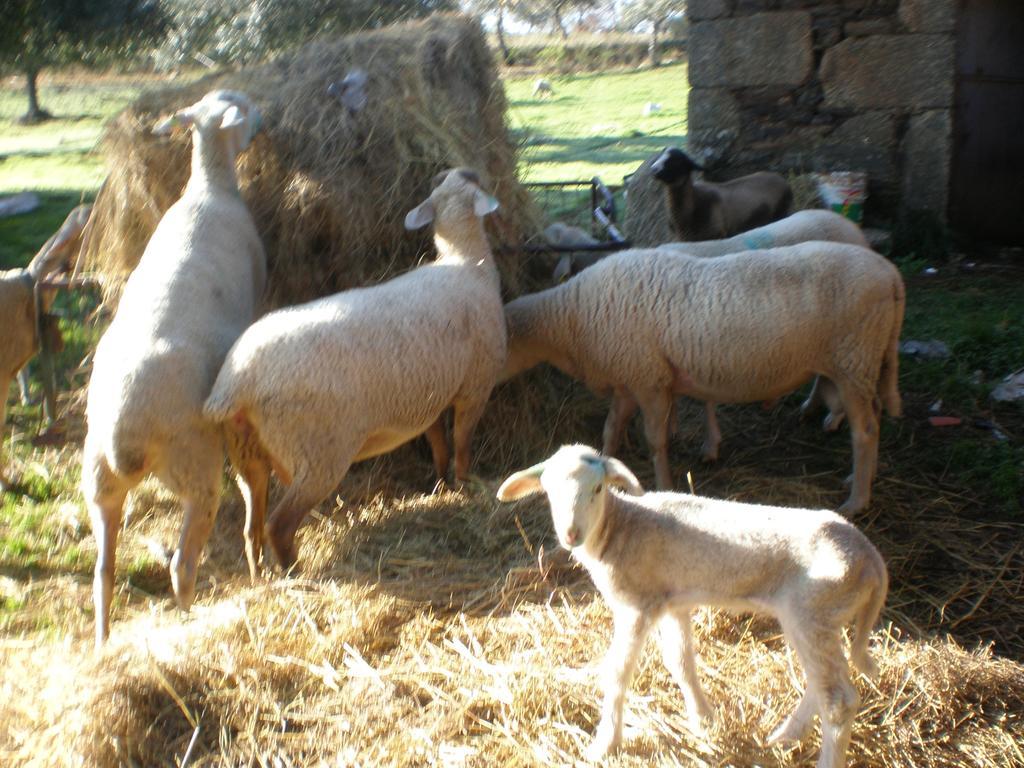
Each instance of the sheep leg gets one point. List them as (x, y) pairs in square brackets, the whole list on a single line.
[(676, 635), (254, 483), (467, 416), (24, 390), (656, 407), (824, 392), (200, 514), (622, 409), (864, 433), (713, 435), (104, 497), (828, 673), (631, 629), (303, 494), (252, 475), (5, 480), (439, 448), (795, 727)]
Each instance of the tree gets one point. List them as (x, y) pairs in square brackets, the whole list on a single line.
[(496, 10), (544, 12), (654, 14), (36, 34), (249, 30)]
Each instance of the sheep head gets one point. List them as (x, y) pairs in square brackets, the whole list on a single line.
[(456, 195), (576, 480), (673, 165), (230, 113)]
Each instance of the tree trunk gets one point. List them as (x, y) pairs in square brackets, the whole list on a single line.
[(652, 47), (34, 114), (500, 29), (561, 24)]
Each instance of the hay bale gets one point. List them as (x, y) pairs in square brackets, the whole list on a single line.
[(647, 222), (328, 187)]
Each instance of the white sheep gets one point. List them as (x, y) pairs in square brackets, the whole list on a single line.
[(194, 291), (644, 326), (309, 390), (542, 88), (704, 210), (562, 235), (656, 556), (24, 318), (798, 227)]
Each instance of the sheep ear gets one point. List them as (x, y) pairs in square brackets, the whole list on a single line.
[(420, 216), (563, 270), (233, 116), (183, 117), (523, 483), (484, 204), (619, 476)]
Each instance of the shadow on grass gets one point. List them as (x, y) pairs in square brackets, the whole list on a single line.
[(20, 234), (598, 149)]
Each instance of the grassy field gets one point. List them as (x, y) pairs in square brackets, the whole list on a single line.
[(594, 123), (442, 629)]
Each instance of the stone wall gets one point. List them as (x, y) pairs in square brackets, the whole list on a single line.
[(820, 85)]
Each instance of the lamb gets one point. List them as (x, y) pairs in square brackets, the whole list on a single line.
[(796, 228), (194, 291), (542, 88), (656, 556), (561, 235), (644, 327), (24, 307), (309, 390), (703, 210)]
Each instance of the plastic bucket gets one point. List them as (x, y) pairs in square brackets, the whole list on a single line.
[(844, 192)]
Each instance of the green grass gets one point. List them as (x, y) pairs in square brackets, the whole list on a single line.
[(594, 123)]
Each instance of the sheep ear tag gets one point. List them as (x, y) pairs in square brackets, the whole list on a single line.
[(484, 204), (523, 483), (420, 216)]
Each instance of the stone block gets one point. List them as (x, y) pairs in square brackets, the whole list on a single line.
[(889, 71), (714, 122), (868, 27), (927, 148), (928, 15), (698, 10), (869, 129), (763, 49)]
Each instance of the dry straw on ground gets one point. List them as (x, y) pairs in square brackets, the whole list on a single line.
[(443, 629), (447, 630), (328, 187)]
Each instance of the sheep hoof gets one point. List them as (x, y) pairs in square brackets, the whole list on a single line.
[(832, 422), (789, 732), (601, 748), (470, 485), (700, 723), (708, 455), (439, 487), (851, 505), (182, 582)]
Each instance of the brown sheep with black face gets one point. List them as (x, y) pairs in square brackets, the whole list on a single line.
[(704, 210)]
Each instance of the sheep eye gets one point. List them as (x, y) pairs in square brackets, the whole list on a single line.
[(597, 489)]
